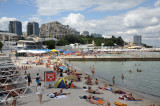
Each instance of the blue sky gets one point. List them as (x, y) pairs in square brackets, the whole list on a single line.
[(108, 17)]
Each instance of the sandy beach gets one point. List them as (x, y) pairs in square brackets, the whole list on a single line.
[(72, 99)]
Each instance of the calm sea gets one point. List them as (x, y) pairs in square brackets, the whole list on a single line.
[(146, 82)]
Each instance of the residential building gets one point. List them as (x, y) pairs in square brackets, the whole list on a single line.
[(56, 30), (15, 27), (96, 35), (32, 28), (137, 39), (85, 33)]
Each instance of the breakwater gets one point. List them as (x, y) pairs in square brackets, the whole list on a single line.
[(109, 58)]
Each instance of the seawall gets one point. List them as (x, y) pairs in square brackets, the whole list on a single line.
[(107, 58)]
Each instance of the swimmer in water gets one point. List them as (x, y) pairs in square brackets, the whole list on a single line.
[(130, 71), (122, 77)]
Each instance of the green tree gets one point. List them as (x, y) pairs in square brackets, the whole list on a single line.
[(62, 42), (98, 42), (109, 43), (119, 41), (1, 45), (50, 44)]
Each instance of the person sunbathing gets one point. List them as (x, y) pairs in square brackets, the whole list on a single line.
[(60, 93), (106, 87), (93, 91), (97, 98), (130, 97), (119, 92), (89, 82)]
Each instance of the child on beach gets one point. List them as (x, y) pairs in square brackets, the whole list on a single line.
[(40, 91), (96, 81)]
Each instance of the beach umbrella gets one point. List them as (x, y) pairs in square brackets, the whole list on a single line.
[(63, 68), (54, 50)]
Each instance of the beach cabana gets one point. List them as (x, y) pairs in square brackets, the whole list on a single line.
[(60, 83)]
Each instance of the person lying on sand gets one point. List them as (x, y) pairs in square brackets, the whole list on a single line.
[(93, 91), (130, 97), (54, 94), (106, 87), (119, 92), (93, 99)]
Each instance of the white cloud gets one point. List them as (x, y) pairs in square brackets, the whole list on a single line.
[(52, 7), (35, 19), (24, 26), (126, 25), (157, 4), (142, 17), (4, 21)]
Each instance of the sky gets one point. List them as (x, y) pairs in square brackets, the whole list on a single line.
[(124, 18)]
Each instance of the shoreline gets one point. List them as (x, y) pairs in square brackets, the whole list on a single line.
[(72, 99), (135, 93)]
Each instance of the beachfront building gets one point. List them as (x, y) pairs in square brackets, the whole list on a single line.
[(85, 33), (32, 28), (137, 39), (33, 42), (56, 30), (96, 35), (15, 27), (8, 39)]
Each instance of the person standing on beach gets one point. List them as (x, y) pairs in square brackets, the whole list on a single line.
[(93, 70), (29, 79), (122, 77), (113, 80), (37, 78), (40, 91)]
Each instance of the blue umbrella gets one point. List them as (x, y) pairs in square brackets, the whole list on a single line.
[(63, 68)]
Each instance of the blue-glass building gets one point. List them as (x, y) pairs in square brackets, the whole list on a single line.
[(15, 27), (32, 28)]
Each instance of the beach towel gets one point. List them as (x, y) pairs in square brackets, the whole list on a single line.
[(99, 101), (51, 95), (61, 96), (120, 103)]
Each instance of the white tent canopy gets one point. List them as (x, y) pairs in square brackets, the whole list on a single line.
[(22, 51), (31, 51), (35, 51)]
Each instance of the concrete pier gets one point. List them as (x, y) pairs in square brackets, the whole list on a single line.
[(109, 58)]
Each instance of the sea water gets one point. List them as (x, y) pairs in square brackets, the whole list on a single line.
[(145, 82)]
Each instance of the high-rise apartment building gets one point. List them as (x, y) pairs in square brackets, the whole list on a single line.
[(15, 27), (32, 28), (137, 39), (85, 33), (56, 30), (96, 35)]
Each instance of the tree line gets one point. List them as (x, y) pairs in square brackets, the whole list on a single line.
[(70, 39)]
